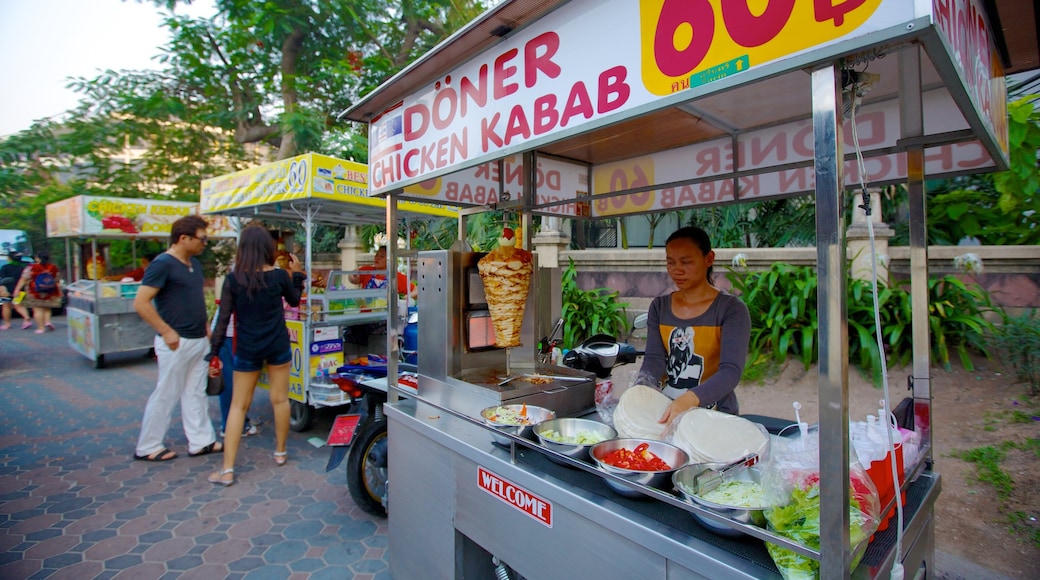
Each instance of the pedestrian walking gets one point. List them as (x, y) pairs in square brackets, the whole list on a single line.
[(170, 299), (10, 274), (42, 290)]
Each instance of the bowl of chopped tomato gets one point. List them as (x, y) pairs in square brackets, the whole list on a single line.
[(514, 419), (645, 462)]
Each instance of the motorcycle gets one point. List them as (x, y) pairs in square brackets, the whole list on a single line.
[(599, 354), (365, 449)]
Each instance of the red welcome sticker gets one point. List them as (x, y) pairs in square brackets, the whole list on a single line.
[(342, 432), (516, 496)]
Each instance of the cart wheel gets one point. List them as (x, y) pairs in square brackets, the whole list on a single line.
[(367, 468), (300, 416), (99, 362)]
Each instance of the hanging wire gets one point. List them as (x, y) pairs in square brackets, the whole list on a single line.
[(897, 566)]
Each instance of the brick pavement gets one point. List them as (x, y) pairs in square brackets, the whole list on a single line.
[(74, 503)]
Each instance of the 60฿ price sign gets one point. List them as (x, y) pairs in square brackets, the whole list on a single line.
[(686, 43)]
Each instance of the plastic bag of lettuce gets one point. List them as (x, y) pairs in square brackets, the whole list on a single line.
[(792, 481)]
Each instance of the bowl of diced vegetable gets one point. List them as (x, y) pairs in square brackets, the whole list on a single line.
[(647, 462), (572, 437), (739, 497), (514, 419)]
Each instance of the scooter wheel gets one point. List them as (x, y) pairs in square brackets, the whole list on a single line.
[(300, 416), (367, 468)]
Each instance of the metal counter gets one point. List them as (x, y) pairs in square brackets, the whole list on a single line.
[(102, 319), (456, 500)]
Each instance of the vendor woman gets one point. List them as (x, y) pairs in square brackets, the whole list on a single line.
[(697, 336)]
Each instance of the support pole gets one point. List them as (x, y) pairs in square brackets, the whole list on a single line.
[(835, 557)]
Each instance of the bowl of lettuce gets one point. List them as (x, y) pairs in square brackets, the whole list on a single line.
[(572, 437), (739, 497)]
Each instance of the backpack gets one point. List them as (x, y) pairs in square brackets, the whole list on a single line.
[(44, 284)]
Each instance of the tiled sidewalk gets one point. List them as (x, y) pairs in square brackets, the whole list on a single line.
[(74, 503)]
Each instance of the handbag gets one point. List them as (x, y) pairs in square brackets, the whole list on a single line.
[(214, 384)]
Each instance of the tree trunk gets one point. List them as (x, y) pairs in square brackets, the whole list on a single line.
[(290, 97)]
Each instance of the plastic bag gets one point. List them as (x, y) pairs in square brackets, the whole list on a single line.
[(608, 393), (792, 482)]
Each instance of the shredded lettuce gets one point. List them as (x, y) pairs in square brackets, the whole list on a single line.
[(799, 520), (747, 494), (580, 438)]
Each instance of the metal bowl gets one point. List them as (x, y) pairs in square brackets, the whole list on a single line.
[(535, 415), (683, 482), (668, 453), (572, 428)]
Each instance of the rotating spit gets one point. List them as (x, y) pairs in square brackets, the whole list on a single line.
[(459, 365)]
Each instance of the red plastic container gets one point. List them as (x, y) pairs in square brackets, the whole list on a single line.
[(880, 473)]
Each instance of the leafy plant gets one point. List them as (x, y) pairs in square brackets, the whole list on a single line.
[(956, 320), (782, 303), (589, 312), (1018, 340)]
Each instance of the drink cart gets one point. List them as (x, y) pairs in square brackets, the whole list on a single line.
[(100, 314), (315, 189), (590, 109)]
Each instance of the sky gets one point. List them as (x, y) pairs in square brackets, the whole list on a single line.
[(46, 42)]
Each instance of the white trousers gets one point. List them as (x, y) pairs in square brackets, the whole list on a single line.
[(182, 376)]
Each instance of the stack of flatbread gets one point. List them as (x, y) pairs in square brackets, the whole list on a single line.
[(715, 437), (637, 413), (506, 273)]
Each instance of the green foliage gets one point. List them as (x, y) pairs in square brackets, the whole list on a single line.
[(1018, 340), (987, 468), (589, 312), (782, 302), (995, 208), (956, 320)]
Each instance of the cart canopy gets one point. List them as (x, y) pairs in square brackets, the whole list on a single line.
[(86, 216), (334, 191), (636, 107)]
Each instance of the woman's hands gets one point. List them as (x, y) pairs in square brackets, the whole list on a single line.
[(215, 366), (294, 264), (682, 403)]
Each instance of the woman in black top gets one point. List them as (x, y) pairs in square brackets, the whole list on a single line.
[(253, 292)]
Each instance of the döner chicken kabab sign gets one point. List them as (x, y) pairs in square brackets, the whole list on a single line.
[(595, 62)]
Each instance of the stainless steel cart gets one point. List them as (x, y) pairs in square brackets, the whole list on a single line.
[(595, 109)]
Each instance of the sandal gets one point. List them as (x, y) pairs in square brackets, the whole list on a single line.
[(26, 325), (211, 448), (163, 454), (281, 458), (218, 477)]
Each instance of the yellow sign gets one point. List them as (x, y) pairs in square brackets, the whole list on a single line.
[(692, 42), (308, 176), (619, 177), (86, 215)]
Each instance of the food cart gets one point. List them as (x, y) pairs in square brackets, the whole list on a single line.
[(315, 189), (100, 314), (663, 105)]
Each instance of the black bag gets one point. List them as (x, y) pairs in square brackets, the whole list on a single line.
[(904, 414), (215, 385)]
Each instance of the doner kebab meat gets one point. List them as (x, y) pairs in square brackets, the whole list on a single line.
[(506, 272)]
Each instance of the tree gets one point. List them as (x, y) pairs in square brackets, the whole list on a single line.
[(255, 81)]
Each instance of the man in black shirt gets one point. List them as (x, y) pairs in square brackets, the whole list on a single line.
[(9, 275), (171, 301)]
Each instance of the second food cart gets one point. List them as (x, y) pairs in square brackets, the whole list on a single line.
[(315, 189), (100, 313)]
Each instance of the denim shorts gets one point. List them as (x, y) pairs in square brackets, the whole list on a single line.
[(245, 365)]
